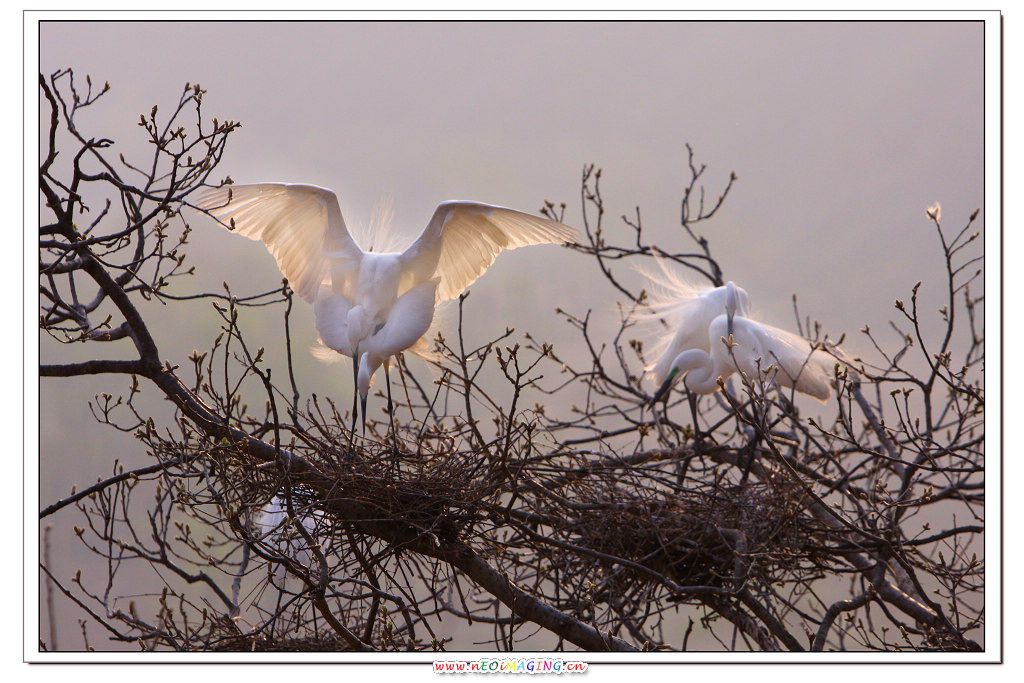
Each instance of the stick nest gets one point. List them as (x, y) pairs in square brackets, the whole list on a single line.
[(702, 536)]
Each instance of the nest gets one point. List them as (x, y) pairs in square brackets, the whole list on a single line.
[(708, 536), (424, 492)]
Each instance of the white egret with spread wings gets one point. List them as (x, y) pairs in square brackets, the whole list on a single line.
[(372, 306)]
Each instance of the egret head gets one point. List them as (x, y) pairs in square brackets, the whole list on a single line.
[(732, 303)]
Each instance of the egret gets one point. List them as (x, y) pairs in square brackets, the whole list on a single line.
[(371, 306), (275, 529), (273, 517), (735, 342)]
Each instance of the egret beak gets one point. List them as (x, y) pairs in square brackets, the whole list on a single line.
[(731, 304), (663, 390), (355, 389), (362, 401)]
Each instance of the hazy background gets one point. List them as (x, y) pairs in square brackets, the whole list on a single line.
[(841, 135)]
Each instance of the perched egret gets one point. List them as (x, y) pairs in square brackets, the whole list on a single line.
[(371, 306), (760, 351), (275, 529), (272, 517)]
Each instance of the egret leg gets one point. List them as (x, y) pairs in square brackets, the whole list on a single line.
[(746, 468), (692, 399), (391, 415), (663, 395), (750, 451), (355, 394)]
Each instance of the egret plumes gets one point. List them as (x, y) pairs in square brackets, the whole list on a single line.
[(691, 312), (716, 337), (371, 306)]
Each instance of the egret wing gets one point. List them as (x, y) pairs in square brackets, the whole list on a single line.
[(464, 238), (807, 369), (301, 225), (331, 315), (811, 368)]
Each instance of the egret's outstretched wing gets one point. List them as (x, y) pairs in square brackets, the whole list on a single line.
[(300, 224), (463, 239)]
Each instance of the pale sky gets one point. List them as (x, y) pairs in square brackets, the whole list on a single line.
[(841, 133)]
